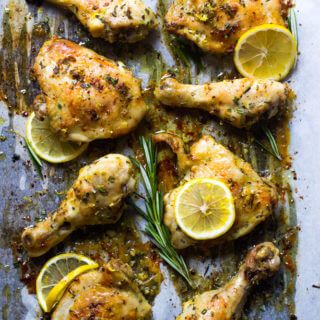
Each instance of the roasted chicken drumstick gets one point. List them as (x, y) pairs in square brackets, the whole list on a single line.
[(254, 197), (216, 25), (241, 102), (107, 293), (113, 20), (96, 197), (226, 303), (86, 96)]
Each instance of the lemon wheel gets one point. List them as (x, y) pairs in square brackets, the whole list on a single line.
[(204, 208), (46, 143), (57, 274), (268, 51)]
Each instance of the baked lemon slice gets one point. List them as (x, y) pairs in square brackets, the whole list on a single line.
[(268, 51), (204, 208), (57, 274), (46, 143)]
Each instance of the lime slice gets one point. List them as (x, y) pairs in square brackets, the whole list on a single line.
[(47, 144), (268, 51), (57, 274), (204, 209)]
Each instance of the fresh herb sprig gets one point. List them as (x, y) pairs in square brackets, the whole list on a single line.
[(185, 54), (274, 151), (153, 213)]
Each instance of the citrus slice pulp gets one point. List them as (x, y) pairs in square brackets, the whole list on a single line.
[(268, 51), (57, 274), (46, 143), (204, 208)]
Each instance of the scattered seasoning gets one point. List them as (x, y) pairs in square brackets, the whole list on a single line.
[(111, 179), (112, 81)]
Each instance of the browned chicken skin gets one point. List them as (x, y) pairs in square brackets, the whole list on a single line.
[(105, 294), (96, 197), (254, 197), (86, 96), (226, 303), (113, 20), (216, 25), (240, 102)]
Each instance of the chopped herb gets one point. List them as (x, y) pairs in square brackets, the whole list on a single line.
[(85, 85), (204, 311), (101, 189), (236, 100), (112, 81), (111, 179), (27, 199)]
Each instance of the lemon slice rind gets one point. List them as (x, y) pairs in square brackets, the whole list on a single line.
[(251, 56), (47, 145), (47, 302)]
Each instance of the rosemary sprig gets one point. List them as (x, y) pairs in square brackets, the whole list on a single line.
[(274, 151), (34, 158), (184, 54), (153, 213), (179, 52)]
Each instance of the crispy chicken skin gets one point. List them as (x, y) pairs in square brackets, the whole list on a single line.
[(240, 102), (106, 294), (216, 25), (96, 197), (226, 303), (86, 96), (113, 20), (254, 196)]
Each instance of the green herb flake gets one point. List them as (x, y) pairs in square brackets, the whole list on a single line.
[(112, 81)]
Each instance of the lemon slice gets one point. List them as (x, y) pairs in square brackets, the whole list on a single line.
[(204, 209), (46, 143), (268, 51), (57, 274)]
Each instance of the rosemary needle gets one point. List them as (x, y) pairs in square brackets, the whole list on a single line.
[(274, 151), (153, 213)]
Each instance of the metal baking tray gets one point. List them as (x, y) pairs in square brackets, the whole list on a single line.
[(24, 26)]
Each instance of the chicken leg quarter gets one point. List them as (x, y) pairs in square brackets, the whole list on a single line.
[(241, 102), (86, 96), (113, 20), (226, 303), (107, 293), (216, 25), (254, 197), (96, 197)]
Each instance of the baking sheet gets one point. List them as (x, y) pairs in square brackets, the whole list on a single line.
[(17, 178)]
